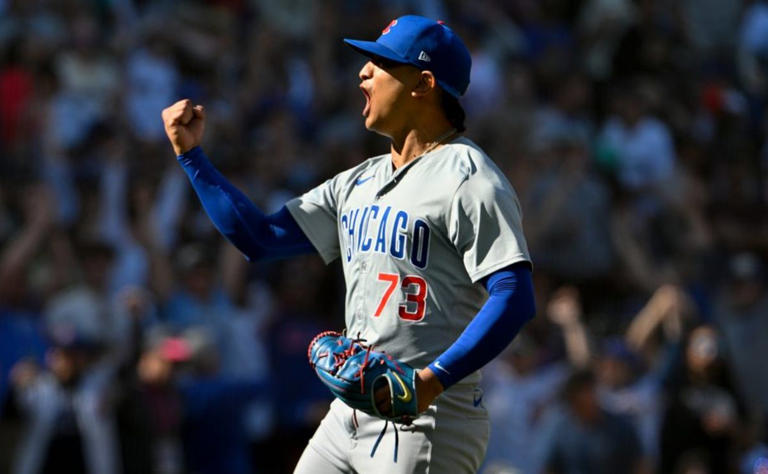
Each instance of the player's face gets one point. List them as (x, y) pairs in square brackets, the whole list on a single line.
[(386, 87)]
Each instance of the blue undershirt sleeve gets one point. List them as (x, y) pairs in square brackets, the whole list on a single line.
[(509, 306), (256, 235)]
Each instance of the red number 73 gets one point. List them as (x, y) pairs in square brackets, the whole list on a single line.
[(415, 289)]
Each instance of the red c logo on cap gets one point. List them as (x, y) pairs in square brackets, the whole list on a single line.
[(390, 25)]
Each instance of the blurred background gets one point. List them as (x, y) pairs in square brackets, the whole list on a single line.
[(134, 339)]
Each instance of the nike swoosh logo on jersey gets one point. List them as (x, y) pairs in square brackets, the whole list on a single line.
[(477, 400), (406, 396), (437, 365), (362, 180)]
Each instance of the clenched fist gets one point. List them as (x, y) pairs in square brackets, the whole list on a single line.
[(184, 125)]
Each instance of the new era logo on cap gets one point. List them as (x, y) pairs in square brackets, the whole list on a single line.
[(426, 44)]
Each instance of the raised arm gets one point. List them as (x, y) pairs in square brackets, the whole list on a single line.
[(258, 236), (564, 309), (667, 309), (38, 222)]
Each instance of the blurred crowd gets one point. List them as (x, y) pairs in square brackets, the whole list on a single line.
[(134, 339)]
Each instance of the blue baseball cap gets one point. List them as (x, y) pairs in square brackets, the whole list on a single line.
[(426, 44)]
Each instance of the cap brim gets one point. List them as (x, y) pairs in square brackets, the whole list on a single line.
[(373, 49)]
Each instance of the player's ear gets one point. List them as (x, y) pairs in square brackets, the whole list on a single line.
[(425, 85)]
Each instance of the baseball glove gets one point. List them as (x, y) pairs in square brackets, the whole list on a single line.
[(353, 371)]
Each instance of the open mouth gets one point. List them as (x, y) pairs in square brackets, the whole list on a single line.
[(367, 107)]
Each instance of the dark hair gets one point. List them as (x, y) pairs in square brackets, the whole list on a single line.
[(94, 247), (576, 382), (453, 111)]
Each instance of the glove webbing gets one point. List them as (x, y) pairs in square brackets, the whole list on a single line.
[(339, 359)]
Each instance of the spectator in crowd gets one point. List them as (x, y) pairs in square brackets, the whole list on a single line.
[(87, 308), (152, 80), (518, 390), (753, 47), (68, 429), (303, 399), (585, 438), (636, 144), (522, 387), (569, 205), (704, 413), (89, 78), (740, 311), (213, 407), (200, 300), (633, 369), (22, 332), (623, 391)]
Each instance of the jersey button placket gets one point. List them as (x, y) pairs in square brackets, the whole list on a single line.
[(360, 316)]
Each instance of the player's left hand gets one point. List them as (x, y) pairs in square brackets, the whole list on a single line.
[(428, 387)]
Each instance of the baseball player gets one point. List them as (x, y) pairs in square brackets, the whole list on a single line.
[(436, 265)]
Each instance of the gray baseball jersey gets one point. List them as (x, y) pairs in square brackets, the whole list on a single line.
[(414, 242)]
